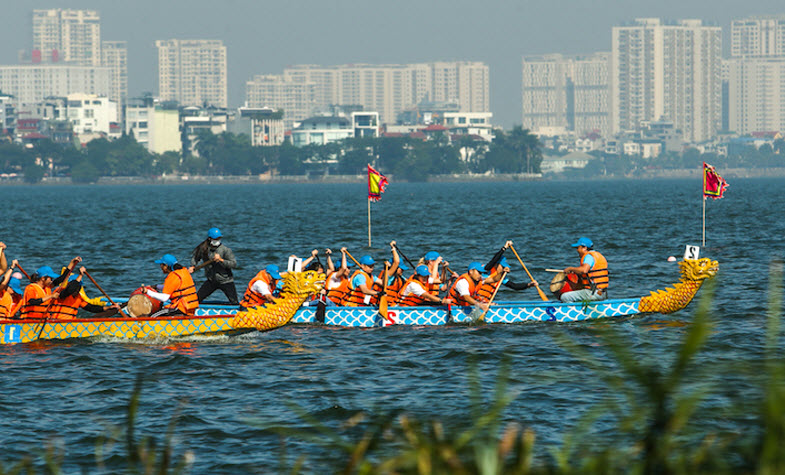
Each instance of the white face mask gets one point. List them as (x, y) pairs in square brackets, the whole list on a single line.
[(215, 242)]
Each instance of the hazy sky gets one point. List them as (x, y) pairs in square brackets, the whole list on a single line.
[(263, 36)]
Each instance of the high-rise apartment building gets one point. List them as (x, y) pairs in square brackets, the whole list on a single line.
[(72, 36), (114, 56), (569, 92), (31, 83), (192, 72), (669, 71), (757, 37), (389, 89), (756, 75)]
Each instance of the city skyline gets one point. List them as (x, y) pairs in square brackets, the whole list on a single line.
[(265, 39)]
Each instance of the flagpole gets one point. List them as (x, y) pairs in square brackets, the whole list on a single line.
[(369, 222), (703, 239)]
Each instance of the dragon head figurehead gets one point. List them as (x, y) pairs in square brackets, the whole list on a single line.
[(303, 283), (297, 287), (698, 269), (694, 272)]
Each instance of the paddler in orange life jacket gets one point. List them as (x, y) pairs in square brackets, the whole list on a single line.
[(415, 290), (465, 289), (336, 287), (10, 291), (592, 274), (69, 301), (361, 284), (38, 294), (179, 289), (261, 287), (395, 278)]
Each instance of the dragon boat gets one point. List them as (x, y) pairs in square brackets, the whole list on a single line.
[(224, 319)]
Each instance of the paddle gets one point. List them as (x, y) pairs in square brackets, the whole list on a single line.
[(539, 291), (404, 257), (102, 291), (383, 298), (23, 271), (554, 270), (482, 316)]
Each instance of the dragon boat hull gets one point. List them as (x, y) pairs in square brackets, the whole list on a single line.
[(217, 319)]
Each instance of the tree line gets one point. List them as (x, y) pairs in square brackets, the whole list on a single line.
[(413, 159)]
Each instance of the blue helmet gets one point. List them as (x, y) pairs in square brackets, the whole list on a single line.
[(46, 271), (273, 270), (167, 259), (431, 256), (214, 233), (422, 270)]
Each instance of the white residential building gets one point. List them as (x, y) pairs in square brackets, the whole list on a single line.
[(31, 83), (669, 71), (365, 124), (321, 131), (386, 88), (90, 114), (757, 37), (154, 126), (262, 124), (567, 91), (469, 123), (756, 95), (192, 72), (72, 36), (114, 56)]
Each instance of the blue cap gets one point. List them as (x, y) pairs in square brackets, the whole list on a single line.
[(273, 270), (477, 266), (16, 285), (503, 262), (584, 241), (46, 271), (403, 266), (367, 260), (167, 259), (214, 233), (431, 255), (423, 270)]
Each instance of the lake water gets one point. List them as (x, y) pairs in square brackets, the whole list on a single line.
[(228, 389)]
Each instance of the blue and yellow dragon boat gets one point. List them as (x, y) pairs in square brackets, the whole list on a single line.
[(229, 320)]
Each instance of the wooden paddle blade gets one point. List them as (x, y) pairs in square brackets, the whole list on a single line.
[(542, 294), (383, 308)]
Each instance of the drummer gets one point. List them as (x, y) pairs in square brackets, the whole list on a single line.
[(592, 274), (178, 288)]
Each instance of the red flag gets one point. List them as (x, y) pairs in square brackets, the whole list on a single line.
[(376, 184), (713, 184)]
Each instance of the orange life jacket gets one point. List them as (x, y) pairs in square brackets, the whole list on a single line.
[(394, 288), (485, 291), (34, 291), (182, 292), (598, 274), (338, 294), (355, 297), (456, 297), (411, 300), (253, 298), (6, 303), (66, 308)]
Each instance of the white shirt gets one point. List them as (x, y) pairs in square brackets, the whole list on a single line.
[(462, 286), (415, 288), (261, 287)]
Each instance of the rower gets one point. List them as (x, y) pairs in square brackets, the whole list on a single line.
[(261, 287), (361, 284), (464, 290), (336, 286), (592, 274), (10, 291), (38, 294), (70, 300), (179, 289), (490, 282), (415, 290)]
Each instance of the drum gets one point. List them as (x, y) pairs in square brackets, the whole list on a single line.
[(140, 305), (562, 283)]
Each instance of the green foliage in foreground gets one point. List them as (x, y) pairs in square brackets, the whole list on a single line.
[(656, 428)]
